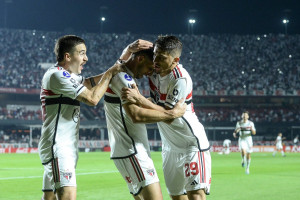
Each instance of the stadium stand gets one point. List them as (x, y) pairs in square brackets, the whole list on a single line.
[(231, 73)]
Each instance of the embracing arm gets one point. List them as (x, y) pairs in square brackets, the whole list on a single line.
[(92, 81), (134, 96), (144, 115), (93, 95)]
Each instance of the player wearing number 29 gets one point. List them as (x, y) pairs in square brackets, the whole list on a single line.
[(185, 150)]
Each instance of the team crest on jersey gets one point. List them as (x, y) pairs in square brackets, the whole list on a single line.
[(151, 172), (66, 74), (156, 95), (75, 115), (127, 77), (67, 175)]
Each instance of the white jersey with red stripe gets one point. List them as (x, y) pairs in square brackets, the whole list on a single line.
[(245, 128), (125, 137), (185, 133), (61, 113)]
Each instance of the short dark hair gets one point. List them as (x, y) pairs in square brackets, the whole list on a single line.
[(245, 111), (170, 44), (65, 44), (145, 52)]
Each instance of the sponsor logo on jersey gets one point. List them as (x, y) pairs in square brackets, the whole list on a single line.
[(151, 172), (127, 77), (66, 74), (67, 175), (74, 82), (172, 98), (194, 182)]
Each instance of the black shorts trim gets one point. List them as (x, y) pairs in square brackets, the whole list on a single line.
[(109, 99), (62, 100)]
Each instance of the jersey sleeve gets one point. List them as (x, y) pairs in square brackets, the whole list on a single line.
[(176, 91), (79, 78), (62, 82), (119, 81)]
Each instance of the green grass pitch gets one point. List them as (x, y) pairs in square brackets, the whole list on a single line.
[(271, 178)]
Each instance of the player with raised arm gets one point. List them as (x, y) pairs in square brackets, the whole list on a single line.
[(278, 145), (62, 91), (127, 132), (185, 150), (245, 128)]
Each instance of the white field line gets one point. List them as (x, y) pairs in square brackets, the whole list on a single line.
[(77, 174)]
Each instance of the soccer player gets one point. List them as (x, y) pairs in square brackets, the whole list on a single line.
[(62, 91), (185, 150), (295, 146), (278, 143), (226, 146), (246, 129), (127, 132)]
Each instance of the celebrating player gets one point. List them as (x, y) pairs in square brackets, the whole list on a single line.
[(61, 93), (127, 132), (245, 128), (185, 150)]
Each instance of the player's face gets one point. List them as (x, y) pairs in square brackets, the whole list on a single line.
[(78, 58), (245, 116), (145, 68), (162, 61)]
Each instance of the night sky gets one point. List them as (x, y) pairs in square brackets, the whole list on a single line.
[(152, 17)]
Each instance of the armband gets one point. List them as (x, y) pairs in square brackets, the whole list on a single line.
[(92, 82)]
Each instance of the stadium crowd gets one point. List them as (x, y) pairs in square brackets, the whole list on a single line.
[(217, 62), (281, 114)]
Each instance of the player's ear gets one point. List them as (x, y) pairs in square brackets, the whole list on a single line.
[(67, 57), (141, 58), (176, 59)]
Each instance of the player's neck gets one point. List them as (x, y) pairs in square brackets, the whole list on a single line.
[(168, 71), (64, 65), (131, 66)]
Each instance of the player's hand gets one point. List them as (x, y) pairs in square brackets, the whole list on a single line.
[(179, 108), (131, 94), (234, 134), (117, 68), (139, 45)]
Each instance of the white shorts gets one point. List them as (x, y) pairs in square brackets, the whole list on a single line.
[(59, 173), (279, 146), (186, 171), (246, 143), (138, 171)]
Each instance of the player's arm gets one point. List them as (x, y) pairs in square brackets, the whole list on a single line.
[(143, 115), (253, 130), (134, 96), (236, 131), (92, 96), (134, 47), (92, 81)]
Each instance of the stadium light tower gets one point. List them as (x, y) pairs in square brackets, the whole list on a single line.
[(285, 22), (191, 25)]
